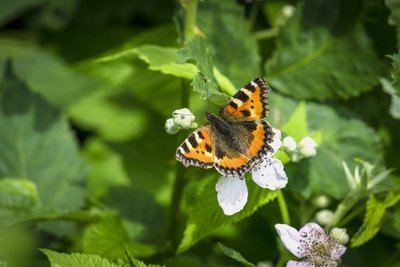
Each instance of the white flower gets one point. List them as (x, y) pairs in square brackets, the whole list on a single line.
[(312, 244), (170, 126), (183, 118), (308, 147), (289, 144), (232, 191)]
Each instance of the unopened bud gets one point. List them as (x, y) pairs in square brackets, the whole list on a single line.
[(289, 144), (340, 235), (183, 118), (324, 217), (308, 147), (170, 126)]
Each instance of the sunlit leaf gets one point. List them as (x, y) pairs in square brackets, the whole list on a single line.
[(76, 259), (373, 217), (206, 215)]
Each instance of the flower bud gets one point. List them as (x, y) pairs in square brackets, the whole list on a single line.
[(324, 217), (308, 147), (340, 235), (265, 264), (183, 118), (170, 126), (288, 11), (321, 201), (289, 144)]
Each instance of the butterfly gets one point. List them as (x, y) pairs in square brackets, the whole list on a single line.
[(237, 138)]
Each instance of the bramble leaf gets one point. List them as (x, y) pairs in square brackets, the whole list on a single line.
[(374, 217), (76, 259), (231, 253), (317, 60), (206, 216), (37, 144)]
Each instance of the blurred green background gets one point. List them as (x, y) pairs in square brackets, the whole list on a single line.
[(87, 167)]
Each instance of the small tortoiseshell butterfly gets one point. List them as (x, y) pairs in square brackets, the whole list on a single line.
[(235, 140)]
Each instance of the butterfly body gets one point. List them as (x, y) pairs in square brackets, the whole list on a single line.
[(234, 140)]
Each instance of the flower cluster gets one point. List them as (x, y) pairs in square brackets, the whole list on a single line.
[(306, 148), (269, 173), (313, 245), (181, 119)]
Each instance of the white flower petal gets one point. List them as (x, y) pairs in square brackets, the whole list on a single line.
[(270, 174), (276, 143), (337, 251), (232, 194), (299, 264), (290, 238), (312, 227)]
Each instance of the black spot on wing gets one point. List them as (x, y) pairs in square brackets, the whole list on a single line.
[(233, 104), (250, 126), (192, 141), (208, 148), (242, 96), (250, 87), (185, 147), (219, 153), (201, 136), (246, 113)]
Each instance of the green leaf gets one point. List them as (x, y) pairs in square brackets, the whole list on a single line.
[(18, 199), (394, 18), (76, 259), (37, 144), (234, 50), (11, 9), (44, 73), (164, 59), (296, 126), (396, 72), (374, 217), (204, 81), (343, 138), (318, 60), (206, 215), (106, 167), (235, 255), (132, 262), (159, 58), (110, 239), (394, 109)]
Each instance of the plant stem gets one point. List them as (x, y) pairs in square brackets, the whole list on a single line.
[(190, 7), (341, 210), (266, 34), (283, 207)]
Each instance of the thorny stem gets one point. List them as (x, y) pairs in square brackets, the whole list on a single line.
[(283, 207), (190, 7)]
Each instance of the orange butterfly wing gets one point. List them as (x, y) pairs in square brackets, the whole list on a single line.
[(249, 103), (229, 164), (197, 149)]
